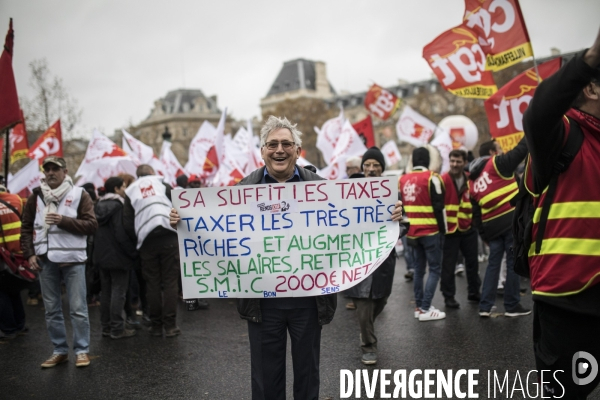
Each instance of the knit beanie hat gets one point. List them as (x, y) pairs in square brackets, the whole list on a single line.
[(373, 154), (420, 157)]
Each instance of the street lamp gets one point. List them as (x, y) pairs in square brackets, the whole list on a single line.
[(166, 134)]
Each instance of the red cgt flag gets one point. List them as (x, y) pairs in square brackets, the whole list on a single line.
[(19, 146), (381, 102), (10, 113), (458, 61), (501, 31), (505, 109), (49, 144), (364, 128)]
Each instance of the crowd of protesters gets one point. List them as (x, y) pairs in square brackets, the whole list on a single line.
[(117, 246)]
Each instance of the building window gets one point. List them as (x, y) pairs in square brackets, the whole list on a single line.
[(433, 88)]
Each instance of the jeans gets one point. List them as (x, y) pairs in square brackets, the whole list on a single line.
[(427, 251), (408, 254), (467, 243), (74, 278), (114, 288), (498, 247)]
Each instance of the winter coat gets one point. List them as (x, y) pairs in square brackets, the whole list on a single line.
[(113, 249), (250, 308)]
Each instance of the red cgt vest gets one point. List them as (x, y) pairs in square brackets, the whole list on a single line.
[(493, 191), (417, 203), (11, 223), (459, 214), (569, 259)]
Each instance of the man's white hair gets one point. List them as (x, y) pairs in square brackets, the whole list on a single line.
[(353, 161), (273, 124)]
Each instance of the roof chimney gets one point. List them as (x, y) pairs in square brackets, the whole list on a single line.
[(554, 52)]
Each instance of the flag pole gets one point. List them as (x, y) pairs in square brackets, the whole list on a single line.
[(6, 155), (535, 66)]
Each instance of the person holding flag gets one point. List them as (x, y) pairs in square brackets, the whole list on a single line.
[(492, 185), (565, 273)]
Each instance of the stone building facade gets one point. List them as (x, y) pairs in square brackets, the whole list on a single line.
[(298, 78), (182, 111)]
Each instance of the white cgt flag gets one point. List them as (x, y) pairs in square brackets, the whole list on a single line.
[(104, 159), (349, 144), (328, 136), (171, 166), (413, 128), (141, 152), (255, 160), (391, 153), (199, 148), (443, 142), (27, 178)]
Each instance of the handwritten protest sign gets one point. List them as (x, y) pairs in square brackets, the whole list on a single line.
[(284, 240)]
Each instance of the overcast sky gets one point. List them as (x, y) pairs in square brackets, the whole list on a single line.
[(118, 57)]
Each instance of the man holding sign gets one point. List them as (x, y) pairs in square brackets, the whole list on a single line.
[(258, 265)]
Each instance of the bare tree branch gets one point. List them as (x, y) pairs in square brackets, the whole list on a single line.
[(50, 102)]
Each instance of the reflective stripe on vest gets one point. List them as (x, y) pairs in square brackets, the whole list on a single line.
[(11, 224), (493, 191), (569, 258), (465, 213), (151, 205), (417, 203), (458, 216), (60, 245)]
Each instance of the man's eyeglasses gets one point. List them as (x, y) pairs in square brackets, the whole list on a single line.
[(275, 145), (374, 166)]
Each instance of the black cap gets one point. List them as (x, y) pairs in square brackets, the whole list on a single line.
[(373, 154), (420, 157)]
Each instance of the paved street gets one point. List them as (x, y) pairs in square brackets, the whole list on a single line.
[(211, 359)]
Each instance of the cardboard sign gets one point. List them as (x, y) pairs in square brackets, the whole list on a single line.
[(284, 240)]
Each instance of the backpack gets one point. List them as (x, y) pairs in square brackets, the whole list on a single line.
[(524, 207)]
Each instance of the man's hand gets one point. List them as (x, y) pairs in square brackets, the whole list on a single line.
[(53, 218), (397, 213), (592, 56), (174, 218), (33, 262)]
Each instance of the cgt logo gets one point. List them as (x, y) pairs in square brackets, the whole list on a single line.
[(583, 364)]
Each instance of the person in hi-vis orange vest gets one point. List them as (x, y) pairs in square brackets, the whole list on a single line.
[(12, 317), (423, 198), (460, 234), (565, 269)]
